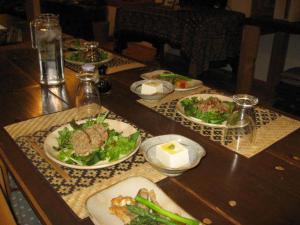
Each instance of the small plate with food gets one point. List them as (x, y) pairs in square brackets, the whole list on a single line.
[(206, 109), (92, 143), (133, 201), (152, 89), (80, 58), (181, 83)]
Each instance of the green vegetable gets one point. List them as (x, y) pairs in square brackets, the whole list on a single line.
[(166, 213), (149, 218), (174, 75), (213, 117)]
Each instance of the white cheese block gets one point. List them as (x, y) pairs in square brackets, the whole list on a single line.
[(152, 87), (172, 154)]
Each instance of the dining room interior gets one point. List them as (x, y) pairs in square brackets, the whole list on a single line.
[(149, 112)]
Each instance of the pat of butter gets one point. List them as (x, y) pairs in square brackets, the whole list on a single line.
[(172, 154), (152, 87)]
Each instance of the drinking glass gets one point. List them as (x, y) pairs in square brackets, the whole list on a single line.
[(87, 96), (240, 129), (46, 36)]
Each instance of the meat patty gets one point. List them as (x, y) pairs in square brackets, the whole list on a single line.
[(81, 142), (86, 141), (97, 134)]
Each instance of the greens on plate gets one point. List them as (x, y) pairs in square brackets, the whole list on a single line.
[(87, 143), (210, 110)]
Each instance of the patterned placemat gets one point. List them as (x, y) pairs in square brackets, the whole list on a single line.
[(117, 64), (83, 183), (271, 126)]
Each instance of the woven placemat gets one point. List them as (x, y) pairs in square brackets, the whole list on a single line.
[(117, 64), (83, 183), (271, 126)]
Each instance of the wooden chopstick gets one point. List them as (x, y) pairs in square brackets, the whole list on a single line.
[(55, 166)]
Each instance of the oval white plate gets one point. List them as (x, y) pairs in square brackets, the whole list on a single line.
[(180, 109), (67, 56), (126, 129), (98, 204), (155, 75)]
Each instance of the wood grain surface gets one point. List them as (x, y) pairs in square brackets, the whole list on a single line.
[(225, 188)]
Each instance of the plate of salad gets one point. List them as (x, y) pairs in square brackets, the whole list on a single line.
[(92, 143), (77, 44), (136, 201), (206, 109), (181, 83), (79, 57)]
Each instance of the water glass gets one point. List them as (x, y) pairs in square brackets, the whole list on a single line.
[(46, 36), (87, 96), (240, 131)]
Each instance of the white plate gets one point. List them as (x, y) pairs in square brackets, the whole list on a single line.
[(155, 75), (51, 140), (67, 55), (98, 205), (180, 109)]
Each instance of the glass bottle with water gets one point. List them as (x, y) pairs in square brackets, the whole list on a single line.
[(46, 36)]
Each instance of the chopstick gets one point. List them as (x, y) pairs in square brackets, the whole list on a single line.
[(55, 166)]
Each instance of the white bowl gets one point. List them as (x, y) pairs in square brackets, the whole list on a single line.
[(137, 86), (196, 153)]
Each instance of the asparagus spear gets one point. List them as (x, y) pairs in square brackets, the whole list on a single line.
[(174, 75), (166, 213), (142, 212)]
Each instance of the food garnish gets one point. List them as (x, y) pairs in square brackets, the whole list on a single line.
[(178, 80), (80, 56), (145, 210), (211, 110), (92, 141)]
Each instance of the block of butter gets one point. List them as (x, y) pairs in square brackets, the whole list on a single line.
[(172, 154), (152, 87)]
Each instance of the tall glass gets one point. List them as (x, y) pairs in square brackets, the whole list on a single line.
[(240, 130), (46, 36)]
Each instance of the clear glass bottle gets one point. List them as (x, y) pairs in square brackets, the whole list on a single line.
[(46, 36), (87, 95), (240, 132)]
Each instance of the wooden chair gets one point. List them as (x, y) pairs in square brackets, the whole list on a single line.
[(4, 183), (6, 214)]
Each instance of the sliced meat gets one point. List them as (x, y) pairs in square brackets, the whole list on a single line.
[(102, 132), (81, 142)]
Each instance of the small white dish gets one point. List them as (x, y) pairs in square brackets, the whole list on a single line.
[(98, 204), (136, 88), (196, 153)]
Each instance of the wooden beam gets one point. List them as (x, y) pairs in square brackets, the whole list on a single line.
[(33, 9), (277, 61), (248, 54)]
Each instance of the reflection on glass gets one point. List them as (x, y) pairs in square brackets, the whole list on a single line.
[(54, 99), (241, 126)]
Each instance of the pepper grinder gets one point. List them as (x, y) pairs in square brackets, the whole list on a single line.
[(104, 84)]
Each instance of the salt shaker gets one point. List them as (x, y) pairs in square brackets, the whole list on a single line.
[(104, 84)]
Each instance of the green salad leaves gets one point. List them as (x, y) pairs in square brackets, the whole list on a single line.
[(114, 147), (211, 110)]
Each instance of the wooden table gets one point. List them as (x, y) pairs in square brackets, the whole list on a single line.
[(225, 188)]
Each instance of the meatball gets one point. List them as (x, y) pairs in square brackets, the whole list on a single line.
[(97, 134), (81, 142)]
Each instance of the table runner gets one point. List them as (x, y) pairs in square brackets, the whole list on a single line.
[(271, 126), (83, 183)]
